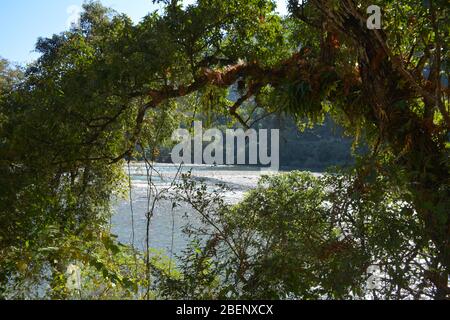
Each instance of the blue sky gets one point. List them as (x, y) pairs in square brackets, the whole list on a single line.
[(23, 21)]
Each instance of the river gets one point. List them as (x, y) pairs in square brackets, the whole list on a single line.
[(167, 224)]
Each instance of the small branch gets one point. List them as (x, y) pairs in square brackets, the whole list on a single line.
[(254, 88)]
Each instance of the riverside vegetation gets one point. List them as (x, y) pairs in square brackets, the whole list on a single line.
[(109, 91)]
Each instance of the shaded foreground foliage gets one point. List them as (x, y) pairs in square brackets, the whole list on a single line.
[(311, 237), (108, 89)]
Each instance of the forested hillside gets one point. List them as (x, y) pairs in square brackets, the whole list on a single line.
[(314, 149)]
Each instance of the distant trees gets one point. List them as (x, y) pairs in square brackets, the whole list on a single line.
[(314, 149), (9, 75)]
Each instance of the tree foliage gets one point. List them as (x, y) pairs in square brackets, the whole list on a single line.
[(300, 236), (102, 91)]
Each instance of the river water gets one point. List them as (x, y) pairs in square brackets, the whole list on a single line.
[(167, 224)]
